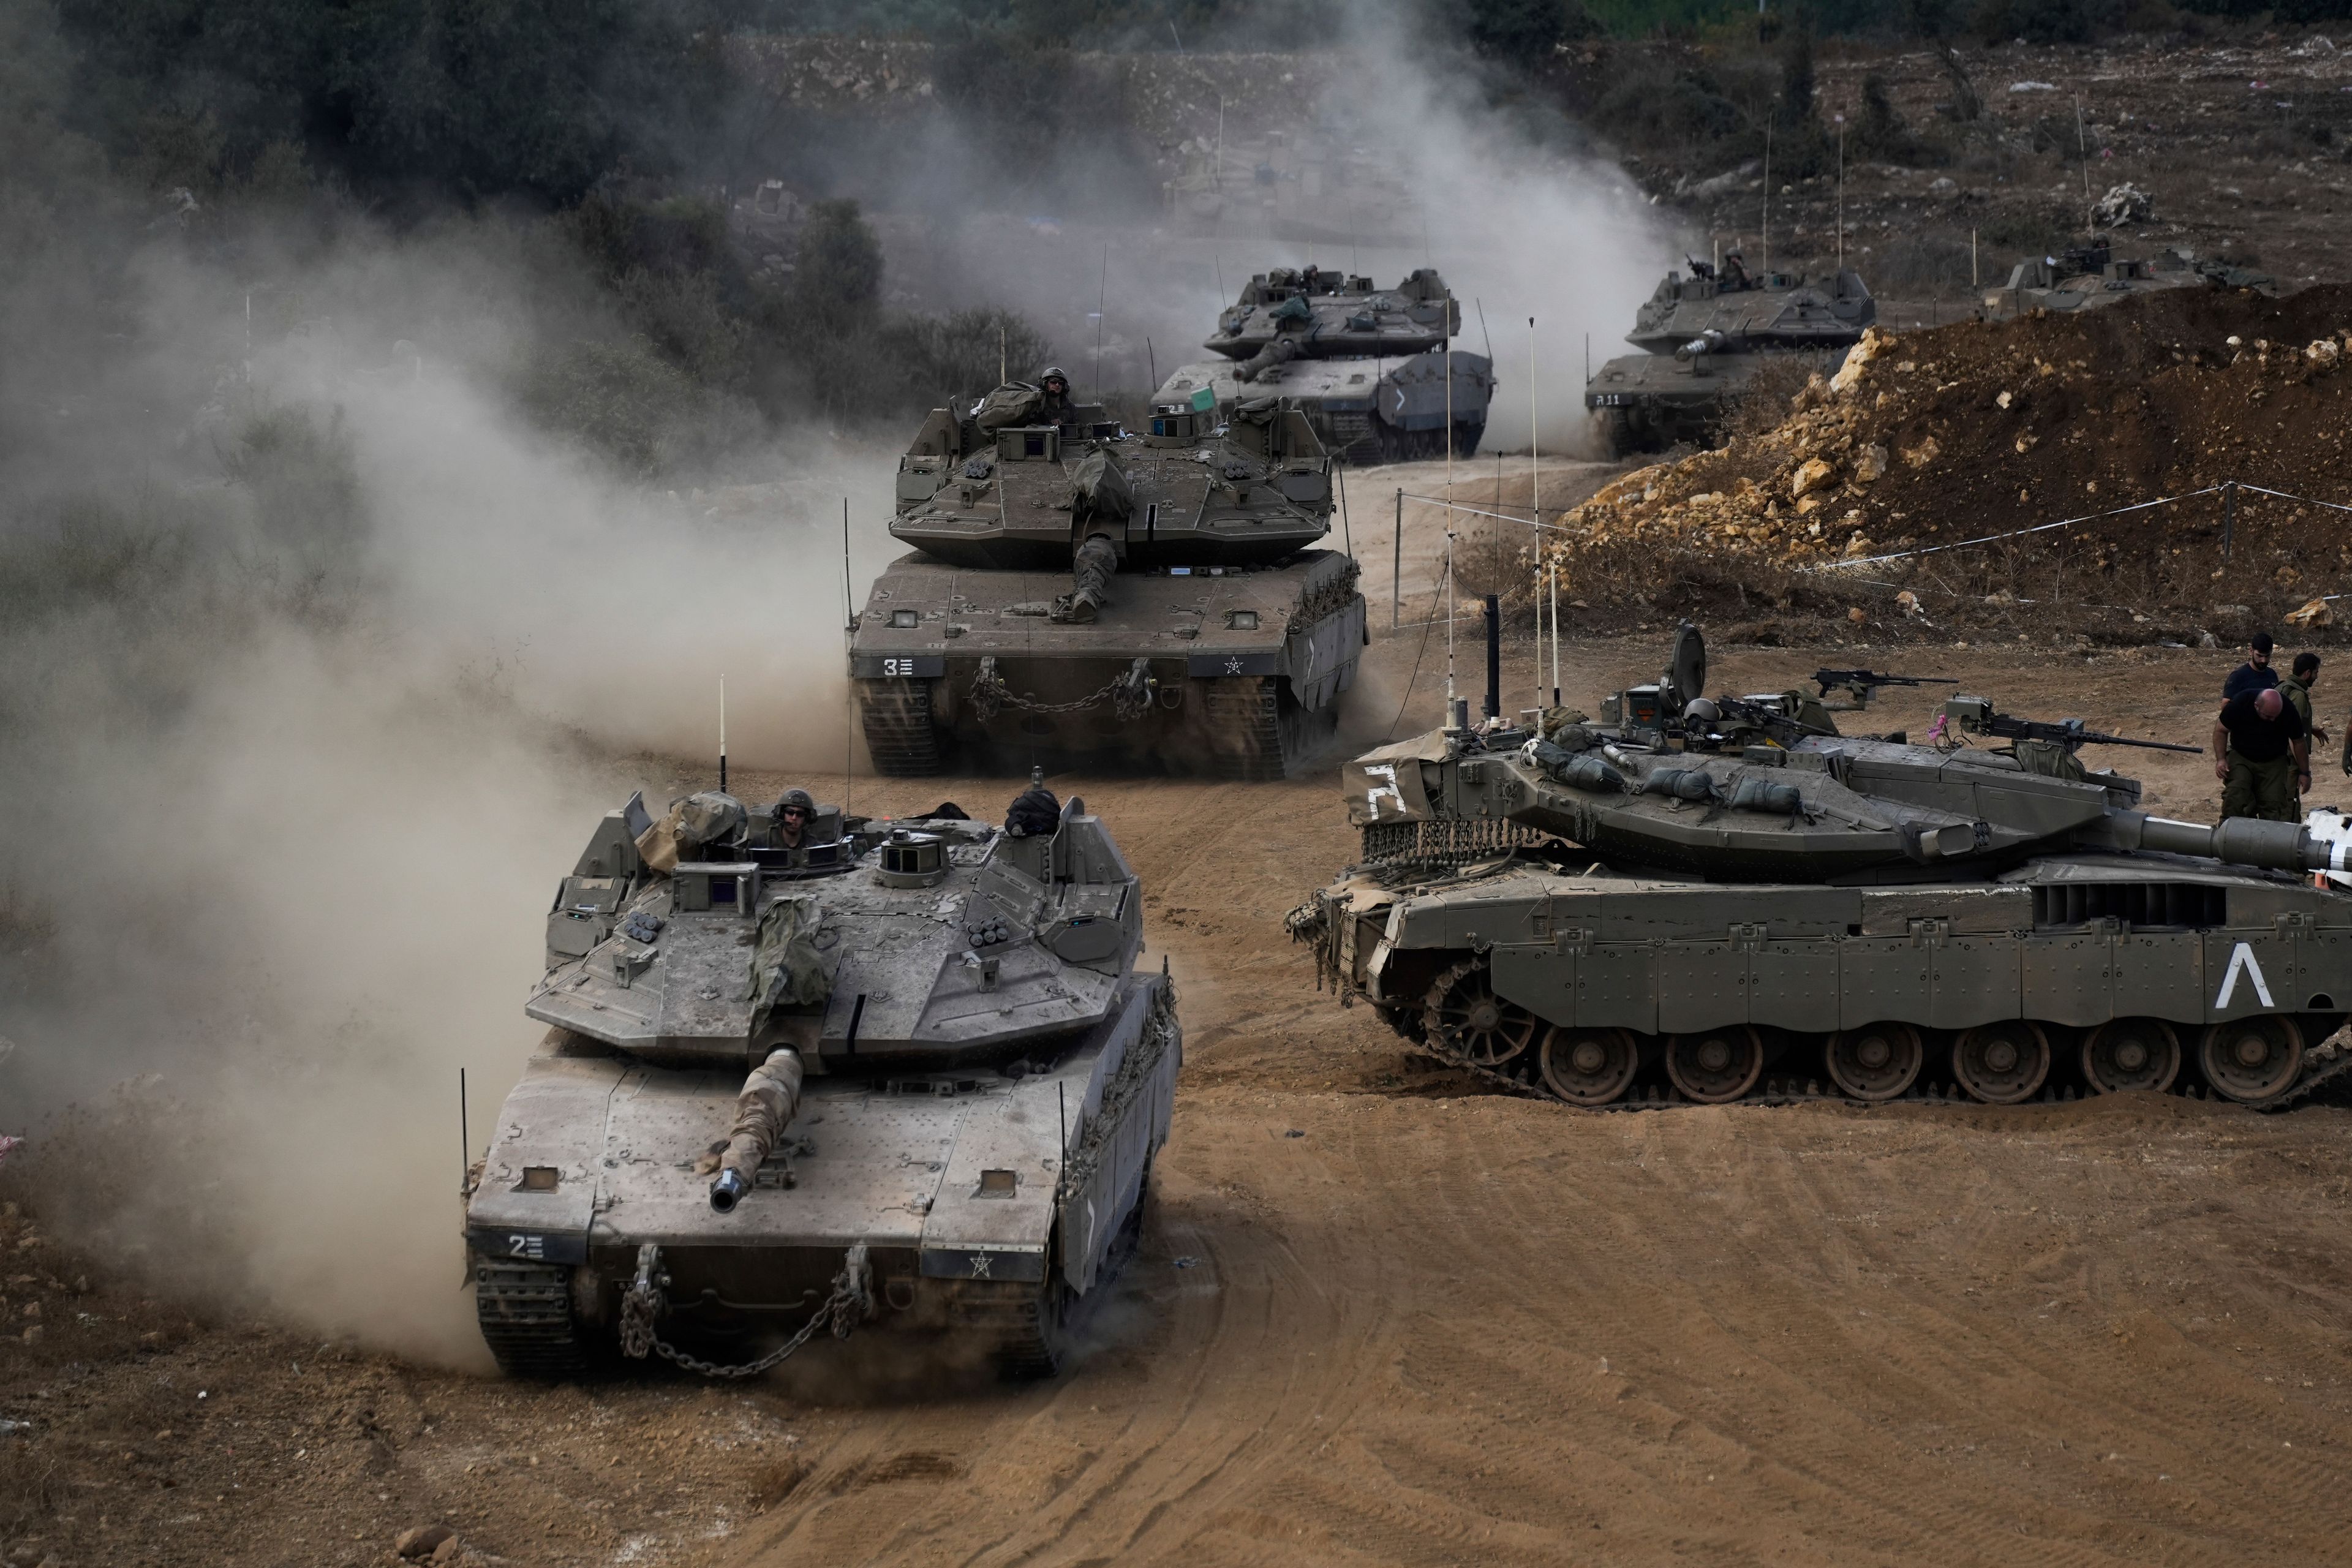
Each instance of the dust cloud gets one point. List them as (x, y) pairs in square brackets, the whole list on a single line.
[(318, 657)]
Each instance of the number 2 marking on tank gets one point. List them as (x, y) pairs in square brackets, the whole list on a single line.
[(1387, 772), (2242, 957), (526, 1247)]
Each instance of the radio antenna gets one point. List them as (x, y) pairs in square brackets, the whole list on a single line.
[(722, 734), (849, 694), (464, 1142)]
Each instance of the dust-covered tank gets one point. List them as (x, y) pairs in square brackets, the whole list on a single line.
[(1369, 367), (807, 1071), (2089, 276), (1079, 591), (1702, 337), (1711, 900)]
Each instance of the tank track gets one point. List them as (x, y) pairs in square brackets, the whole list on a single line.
[(525, 1311), (1262, 735), (2322, 1064), (895, 714)]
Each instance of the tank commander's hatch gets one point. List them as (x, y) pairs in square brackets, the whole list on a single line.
[(1685, 679)]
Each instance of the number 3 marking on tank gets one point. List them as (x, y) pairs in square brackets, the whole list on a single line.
[(535, 1246), (1385, 771), (2242, 957)]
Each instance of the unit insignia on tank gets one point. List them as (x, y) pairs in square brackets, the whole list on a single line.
[(1703, 337), (1709, 900), (1371, 368), (1078, 590), (813, 1072)]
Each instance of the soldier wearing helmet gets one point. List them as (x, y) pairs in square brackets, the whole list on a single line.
[(1053, 385), (794, 815)]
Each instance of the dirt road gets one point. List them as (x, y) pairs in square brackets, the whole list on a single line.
[(1382, 1318)]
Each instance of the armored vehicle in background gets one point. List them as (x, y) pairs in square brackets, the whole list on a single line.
[(1369, 367), (1711, 900), (1702, 337), (1150, 600), (2089, 276), (875, 1073)]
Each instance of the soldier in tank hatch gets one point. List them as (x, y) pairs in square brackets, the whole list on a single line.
[(794, 813), (2261, 754), (1054, 408), (2254, 674)]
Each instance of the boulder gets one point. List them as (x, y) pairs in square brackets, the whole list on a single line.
[(1869, 464), (422, 1540), (1813, 474)]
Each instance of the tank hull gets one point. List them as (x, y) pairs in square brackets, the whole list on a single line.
[(1365, 410), (2184, 961), (987, 679), (1647, 403), (949, 1188)]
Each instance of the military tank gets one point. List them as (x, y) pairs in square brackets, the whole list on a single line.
[(1369, 367), (1149, 600), (898, 1074), (2090, 276), (1702, 337), (1703, 901)]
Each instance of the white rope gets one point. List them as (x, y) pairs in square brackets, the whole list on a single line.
[(2015, 532)]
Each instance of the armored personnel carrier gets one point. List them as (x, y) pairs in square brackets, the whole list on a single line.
[(811, 1072), (2089, 276), (1078, 590), (1712, 900), (1703, 337), (1369, 367)]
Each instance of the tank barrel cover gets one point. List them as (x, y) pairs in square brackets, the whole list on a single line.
[(1976, 715), (766, 1106)]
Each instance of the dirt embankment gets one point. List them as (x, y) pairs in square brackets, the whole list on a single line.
[(1925, 440)]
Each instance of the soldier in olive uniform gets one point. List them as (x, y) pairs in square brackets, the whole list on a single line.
[(2260, 755), (1055, 409), (2296, 690)]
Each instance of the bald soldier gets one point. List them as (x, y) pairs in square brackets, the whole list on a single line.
[(2261, 754)]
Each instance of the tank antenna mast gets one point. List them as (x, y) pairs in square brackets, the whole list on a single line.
[(722, 734), (849, 715)]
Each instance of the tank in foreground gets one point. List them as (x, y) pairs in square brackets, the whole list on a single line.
[(1150, 601), (903, 1075), (1704, 337), (1369, 367), (1720, 900)]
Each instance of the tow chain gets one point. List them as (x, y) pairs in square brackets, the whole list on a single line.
[(851, 1302), (1128, 697), (2323, 1065)]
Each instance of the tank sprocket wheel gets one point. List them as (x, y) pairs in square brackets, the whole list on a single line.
[(1715, 1067), (2004, 1063), (1588, 1067), (1464, 1018), (2251, 1060), (2131, 1053), (1875, 1061)]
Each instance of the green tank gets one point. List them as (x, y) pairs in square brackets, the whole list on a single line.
[(1703, 337), (852, 1076), (1712, 900), (2090, 276), (1369, 367), (1081, 592)]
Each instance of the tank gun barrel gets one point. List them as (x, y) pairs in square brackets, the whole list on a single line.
[(2234, 840), (771, 1095)]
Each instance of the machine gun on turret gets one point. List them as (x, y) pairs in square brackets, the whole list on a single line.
[(1859, 684), (1976, 715)]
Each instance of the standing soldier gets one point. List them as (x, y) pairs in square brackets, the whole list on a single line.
[(2296, 690), (2261, 756), (2256, 672)]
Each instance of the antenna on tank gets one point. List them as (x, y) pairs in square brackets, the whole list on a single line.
[(722, 734), (1102, 305), (464, 1142), (849, 693), (1767, 235)]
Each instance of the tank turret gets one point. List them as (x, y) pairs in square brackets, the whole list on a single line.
[(1689, 880)]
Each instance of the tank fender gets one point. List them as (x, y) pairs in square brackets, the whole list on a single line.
[(1320, 661)]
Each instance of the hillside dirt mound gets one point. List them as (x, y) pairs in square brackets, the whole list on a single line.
[(1926, 440)]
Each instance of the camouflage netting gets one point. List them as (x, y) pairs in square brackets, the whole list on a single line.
[(787, 970), (762, 1110), (691, 825), (1936, 437)]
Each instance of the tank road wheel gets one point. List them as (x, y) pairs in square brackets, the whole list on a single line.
[(2251, 1060), (1717, 1065), (1876, 1061), (1588, 1067), (2002, 1064), (1464, 1017), (895, 714), (2131, 1053), (525, 1311)]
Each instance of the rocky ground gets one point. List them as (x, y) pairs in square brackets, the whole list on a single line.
[(2110, 1332)]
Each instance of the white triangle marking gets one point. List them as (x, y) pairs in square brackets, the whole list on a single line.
[(2242, 957)]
